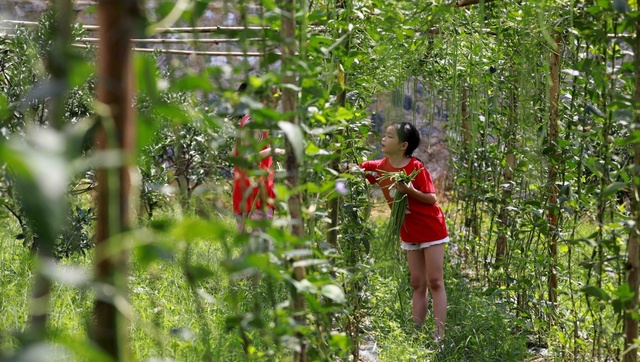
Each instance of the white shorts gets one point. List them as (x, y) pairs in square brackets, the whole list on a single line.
[(417, 246)]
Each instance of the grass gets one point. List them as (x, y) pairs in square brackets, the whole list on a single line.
[(173, 321)]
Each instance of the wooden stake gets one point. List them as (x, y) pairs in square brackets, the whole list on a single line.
[(289, 106), (552, 215), (116, 132)]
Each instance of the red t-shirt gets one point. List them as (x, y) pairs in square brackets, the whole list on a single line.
[(422, 222), (246, 188)]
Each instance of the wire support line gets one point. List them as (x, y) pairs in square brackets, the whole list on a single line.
[(196, 29), (180, 41), (194, 52)]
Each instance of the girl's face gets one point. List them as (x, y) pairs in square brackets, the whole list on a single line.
[(391, 144)]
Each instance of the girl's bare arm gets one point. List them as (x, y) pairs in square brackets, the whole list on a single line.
[(427, 198), (267, 152)]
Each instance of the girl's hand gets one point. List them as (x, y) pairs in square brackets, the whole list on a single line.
[(404, 188), (279, 151)]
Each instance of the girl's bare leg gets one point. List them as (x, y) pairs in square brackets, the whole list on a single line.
[(419, 284), (433, 261)]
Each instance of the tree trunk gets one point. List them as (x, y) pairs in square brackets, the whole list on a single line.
[(633, 250), (289, 106), (552, 217), (116, 24)]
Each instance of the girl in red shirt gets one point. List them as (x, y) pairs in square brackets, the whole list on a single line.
[(253, 195), (424, 231)]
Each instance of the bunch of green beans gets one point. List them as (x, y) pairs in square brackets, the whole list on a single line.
[(391, 235)]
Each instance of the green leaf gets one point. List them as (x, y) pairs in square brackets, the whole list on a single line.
[(343, 114), (596, 292), (296, 138), (199, 8), (172, 11), (304, 286), (173, 112), (260, 261), (572, 72), (312, 150), (191, 82), (4, 106), (80, 73), (305, 263), (146, 130), (146, 70), (297, 253), (190, 229), (70, 275), (489, 291), (621, 6), (340, 340), (323, 130), (82, 347), (334, 293), (198, 273), (42, 175), (624, 293), (148, 253), (613, 188), (160, 224), (42, 351), (590, 108)]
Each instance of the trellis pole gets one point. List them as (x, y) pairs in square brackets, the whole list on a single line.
[(292, 164), (334, 204), (116, 133), (552, 176)]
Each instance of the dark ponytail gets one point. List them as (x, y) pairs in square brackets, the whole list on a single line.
[(408, 133)]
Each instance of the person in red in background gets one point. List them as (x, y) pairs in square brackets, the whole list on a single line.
[(424, 231), (253, 188)]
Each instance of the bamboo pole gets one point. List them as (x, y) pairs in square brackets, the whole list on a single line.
[(552, 216), (466, 117), (334, 204), (179, 41), (116, 132), (510, 163), (289, 106)]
